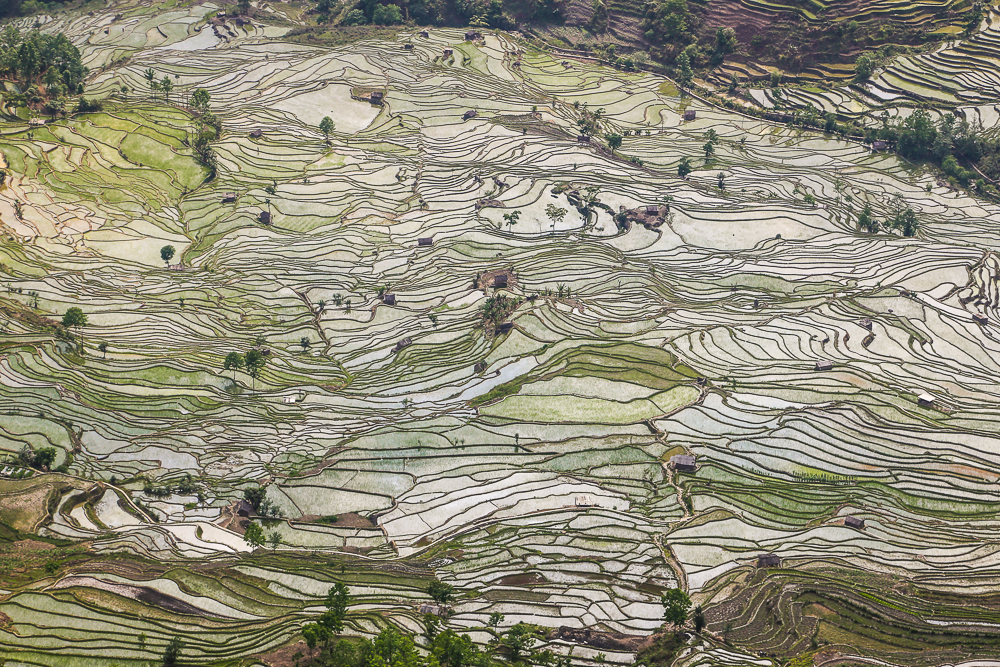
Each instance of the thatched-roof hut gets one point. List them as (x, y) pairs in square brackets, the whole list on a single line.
[(768, 560), (683, 462)]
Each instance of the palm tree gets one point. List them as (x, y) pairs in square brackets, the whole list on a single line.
[(150, 76), (166, 85)]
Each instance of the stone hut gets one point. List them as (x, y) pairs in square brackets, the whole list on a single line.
[(425, 241), (769, 560), (683, 462), (432, 609), (926, 401), (377, 97), (229, 198), (500, 280), (865, 323), (472, 35), (825, 365), (265, 218), (256, 134), (583, 139), (425, 34), (389, 299), (585, 501), (690, 114), (854, 522), (471, 113), (447, 52), (403, 344), (244, 508), (981, 319), (879, 146), (479, 367)]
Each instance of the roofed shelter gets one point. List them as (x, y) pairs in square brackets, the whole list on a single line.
[(683, 462), (769, 560)]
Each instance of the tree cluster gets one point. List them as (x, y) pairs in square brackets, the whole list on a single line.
[(37, 58), (949, 143), (501, 14), (40, 459)]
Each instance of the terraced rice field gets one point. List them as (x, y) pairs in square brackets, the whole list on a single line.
[(528, 468)]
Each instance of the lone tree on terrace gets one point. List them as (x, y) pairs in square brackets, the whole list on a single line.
[(167, 253), (74, 317), (326, 126), (675, 606)]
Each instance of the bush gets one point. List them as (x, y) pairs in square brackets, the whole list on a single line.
[(387, 15), (355, 17)]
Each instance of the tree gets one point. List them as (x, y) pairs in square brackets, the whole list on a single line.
[(74, 317), (150, 76), (614, 141), (675, 606), (496, 618), (866, 222), (103, 349), (166, 85), (699, 619), (305, 343), (244, 6), (387, 15), (254, 361), (167, 253), (441, 592), (255, 495), (314, 634), (44, 457), (863, 67), (392, 649), (555, 214), (511, 218), (124, 91), (722, 180), (172, 652), (254, 536), (233, 362), (599, 19), (326, 126), (709, 149), (906, 222), (200, 99), (684, 167), (337, 599), (274, 539), (684, 72), (518, 641)]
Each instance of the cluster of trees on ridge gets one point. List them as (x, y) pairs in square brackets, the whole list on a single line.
[(46, 68), (441, 647)]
